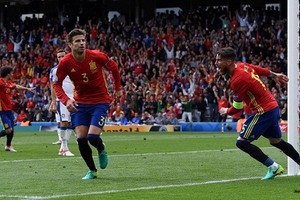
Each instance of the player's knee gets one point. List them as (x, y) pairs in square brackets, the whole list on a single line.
[(92, 137), (65, 124), (241, 144), (82, 141), (275, 141), (96, 141), (8, 131)]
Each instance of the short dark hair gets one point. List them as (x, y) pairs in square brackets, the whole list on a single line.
[(227, 53), (75, 32), (60, 51), (5, 71)]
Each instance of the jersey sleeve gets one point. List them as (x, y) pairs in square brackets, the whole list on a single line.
[(260, 70), (232, 110), (239, 87), (58, 81), (52, 75), (112, 66)]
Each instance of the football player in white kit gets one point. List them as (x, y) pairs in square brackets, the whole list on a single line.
[(62, 114)]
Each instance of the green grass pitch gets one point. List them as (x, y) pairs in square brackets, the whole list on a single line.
[(143, 166)]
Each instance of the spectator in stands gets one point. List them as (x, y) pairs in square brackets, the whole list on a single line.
[(159, 119), (38, 114), (187, 108), (136, 119), (192, 43), (178, 108), (30, 104), (21, 116), (225, 21), (147, 118), (16, 44), (30, 115), (122, 120), (172, 120), (244, 57), (151, 104), (128, 111), (116, 115), (283, 110), (169, 50), (25, 122), (201, 106), (222, 103), (212, 103), (243, 20)]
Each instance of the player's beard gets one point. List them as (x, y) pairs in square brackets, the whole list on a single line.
[(223, 70), (80, 50), (80, 53)]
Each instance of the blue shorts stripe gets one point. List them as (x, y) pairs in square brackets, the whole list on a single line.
[(251, 126), (262, 124)]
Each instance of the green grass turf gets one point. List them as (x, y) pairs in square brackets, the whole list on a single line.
[(142, 166)]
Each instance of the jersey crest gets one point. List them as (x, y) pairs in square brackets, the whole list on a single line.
[(93, 66)]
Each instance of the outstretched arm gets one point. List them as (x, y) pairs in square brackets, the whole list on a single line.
[(279, 77), (25, 88)]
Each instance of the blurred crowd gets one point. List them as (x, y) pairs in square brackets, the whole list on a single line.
[(167, 64)]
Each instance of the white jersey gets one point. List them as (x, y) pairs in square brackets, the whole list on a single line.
[(62, 113), (67, 85)]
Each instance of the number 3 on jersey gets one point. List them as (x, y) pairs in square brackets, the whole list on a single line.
[(85, 78)]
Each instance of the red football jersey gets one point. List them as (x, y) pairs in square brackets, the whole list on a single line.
[(88, 77), (248, 87), (6, 95)]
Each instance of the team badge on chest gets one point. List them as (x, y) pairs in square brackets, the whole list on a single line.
[(93, 66)]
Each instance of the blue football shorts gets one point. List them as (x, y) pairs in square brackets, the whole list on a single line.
[(7, 119), (265, 124), (90, 114)]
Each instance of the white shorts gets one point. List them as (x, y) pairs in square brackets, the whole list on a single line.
[(62, 113)]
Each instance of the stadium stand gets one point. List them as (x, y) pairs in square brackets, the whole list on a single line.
[(162, 58)]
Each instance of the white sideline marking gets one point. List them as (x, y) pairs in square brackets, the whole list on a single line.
[(130, 189), (126, 155)]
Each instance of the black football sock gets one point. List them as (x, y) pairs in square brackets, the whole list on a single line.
[(86, 153), (2, 133), (254, 151), (289, 150), (96, 141), (9, 138)]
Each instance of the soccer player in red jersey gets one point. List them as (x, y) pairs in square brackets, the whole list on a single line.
[(86, 69), (248, 87), (6, 107)]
